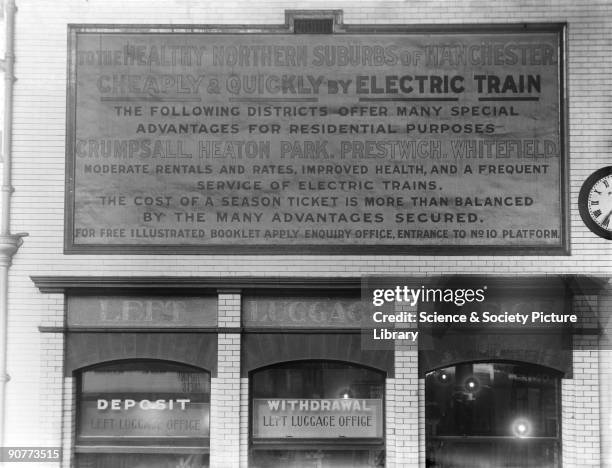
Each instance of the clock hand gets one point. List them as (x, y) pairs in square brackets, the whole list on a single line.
[(607, 218)]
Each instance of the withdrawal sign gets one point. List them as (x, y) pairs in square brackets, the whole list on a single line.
[(318, 419), (347, 143)]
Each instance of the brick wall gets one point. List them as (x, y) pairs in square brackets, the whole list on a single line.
[(226, 389), (68, 422), (225, 404), (404, 397), (38, 202), (405, 394), (605, 376), (244, 423), (605, 405), (580, 408), (580, 400)]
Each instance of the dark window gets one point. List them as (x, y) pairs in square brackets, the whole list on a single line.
[(317, 414), (313, 26), (145, 413), (492, 414)]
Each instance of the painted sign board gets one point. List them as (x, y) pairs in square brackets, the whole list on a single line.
[(141, 311), (303, 312), (132, 417), (398, 142), (318, 419)]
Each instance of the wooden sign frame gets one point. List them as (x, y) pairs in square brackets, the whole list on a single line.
[(471, 247)]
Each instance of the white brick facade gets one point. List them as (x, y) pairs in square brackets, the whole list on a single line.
[(580, 409), (404, 395), (226, 389), (225, 404)]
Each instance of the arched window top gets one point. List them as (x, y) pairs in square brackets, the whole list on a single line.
[(141, 403), (148, 376), (531, 367), (309, 401), (318, 379), (123, 364), (477, 378)]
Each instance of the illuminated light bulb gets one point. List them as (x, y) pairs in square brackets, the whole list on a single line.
[(443, 377), (521, 428), (472, 384)]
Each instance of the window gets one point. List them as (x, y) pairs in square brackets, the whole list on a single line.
[(492, 414), (143, 414), (313, 25), (317, 414)]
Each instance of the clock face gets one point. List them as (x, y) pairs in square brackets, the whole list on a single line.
[(595, 202)]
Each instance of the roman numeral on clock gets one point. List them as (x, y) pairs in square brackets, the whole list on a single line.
[(595, 202)]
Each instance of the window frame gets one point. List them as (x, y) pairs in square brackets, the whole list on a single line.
[(336, 444), (480, 439), (194, 446)]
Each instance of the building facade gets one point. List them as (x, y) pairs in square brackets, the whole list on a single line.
[(127, 347)]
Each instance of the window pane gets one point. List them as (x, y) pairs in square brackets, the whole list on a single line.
[(140, 460), (492, 414), (144, 403), (318, 380), (492, 400), (317, 400), (318, 459), (509, 453), (162, 378)]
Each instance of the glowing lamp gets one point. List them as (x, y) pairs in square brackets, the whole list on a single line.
[(443, 377), (472, 385), (521, 428)]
